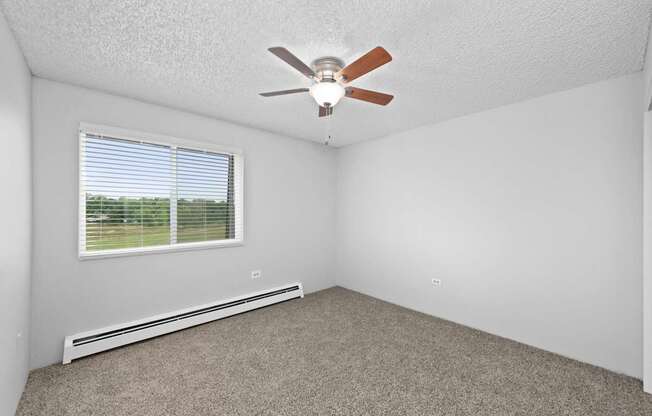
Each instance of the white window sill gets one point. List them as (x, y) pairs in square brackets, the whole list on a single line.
[(202, 245)]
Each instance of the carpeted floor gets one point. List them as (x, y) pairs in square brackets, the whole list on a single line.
[(335, 352)]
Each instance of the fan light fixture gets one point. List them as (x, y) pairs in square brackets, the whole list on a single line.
[(327, 93), (331, 78)]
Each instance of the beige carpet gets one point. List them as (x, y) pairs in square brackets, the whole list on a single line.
[(335, 352)]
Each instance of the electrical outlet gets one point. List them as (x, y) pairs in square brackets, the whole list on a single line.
[(436, 282), (256, 274)]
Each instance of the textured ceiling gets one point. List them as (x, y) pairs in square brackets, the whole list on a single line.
[(451, 57)]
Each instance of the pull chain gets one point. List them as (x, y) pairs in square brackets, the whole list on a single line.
[(329, 129)]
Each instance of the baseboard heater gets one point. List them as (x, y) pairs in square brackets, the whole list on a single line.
[(91, 342)]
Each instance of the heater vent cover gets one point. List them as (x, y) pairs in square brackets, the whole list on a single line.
[(91, 342)]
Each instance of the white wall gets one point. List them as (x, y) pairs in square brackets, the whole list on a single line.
[(647, 71), (15, 221), (647, 254), (289, 216), (647, 222), (531, 214)]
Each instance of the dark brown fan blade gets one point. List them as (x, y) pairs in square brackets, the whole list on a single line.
[(376, 57), (283, 92), (325, 111), (292, 60), (369, 96)]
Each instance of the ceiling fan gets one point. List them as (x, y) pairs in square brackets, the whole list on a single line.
[(330, 78)]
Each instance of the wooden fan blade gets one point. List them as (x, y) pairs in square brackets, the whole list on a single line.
[(292, 60), (283, 92), (325, 111), (376, 57), (369, 96)]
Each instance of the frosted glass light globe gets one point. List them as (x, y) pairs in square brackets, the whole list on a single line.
[(327, 92)]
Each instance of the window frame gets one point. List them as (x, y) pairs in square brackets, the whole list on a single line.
[(120, 133)]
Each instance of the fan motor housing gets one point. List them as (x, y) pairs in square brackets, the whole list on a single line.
[(326, 67)]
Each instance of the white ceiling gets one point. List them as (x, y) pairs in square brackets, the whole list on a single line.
[(451, 57)]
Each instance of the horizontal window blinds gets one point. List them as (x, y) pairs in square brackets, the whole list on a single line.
[(136, 194)]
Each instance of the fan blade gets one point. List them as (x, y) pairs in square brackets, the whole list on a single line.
[(283, 92), (292, 60), (376, 57), (369, 96), (325, 111)]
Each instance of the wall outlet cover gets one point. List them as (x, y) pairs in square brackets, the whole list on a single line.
[(256, 274)]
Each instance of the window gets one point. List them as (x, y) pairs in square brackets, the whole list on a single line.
[(141, 193)]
